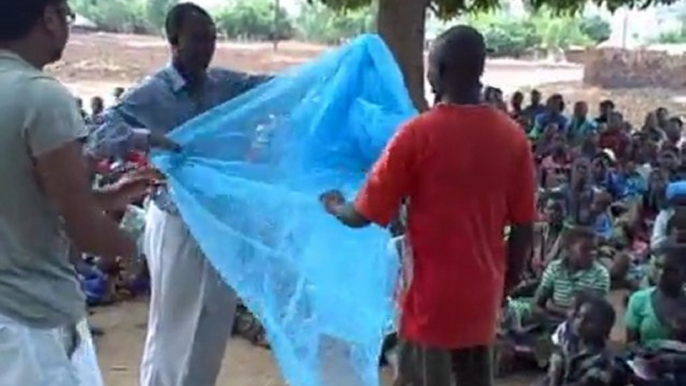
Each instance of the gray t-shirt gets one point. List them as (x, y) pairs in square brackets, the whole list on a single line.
[(38, 284)]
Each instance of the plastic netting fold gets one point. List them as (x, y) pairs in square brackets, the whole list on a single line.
[(247, 184)]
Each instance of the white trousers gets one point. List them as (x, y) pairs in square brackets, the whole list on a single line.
[(47, 357), (191, 309)]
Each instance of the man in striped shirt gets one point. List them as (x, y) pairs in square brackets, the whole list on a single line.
[(577, 270)]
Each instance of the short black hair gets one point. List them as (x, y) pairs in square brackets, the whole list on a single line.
[(462, 51), (580, 297), (576, 233), (18, 17), (177, 17), (607, 104), (603, 311)]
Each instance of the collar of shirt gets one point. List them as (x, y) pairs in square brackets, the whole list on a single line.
[(14, 57), (177, 81)]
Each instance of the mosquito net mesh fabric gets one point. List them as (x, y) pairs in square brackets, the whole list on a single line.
[(247, 184)]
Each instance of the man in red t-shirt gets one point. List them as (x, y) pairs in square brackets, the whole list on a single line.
[(467, 170)]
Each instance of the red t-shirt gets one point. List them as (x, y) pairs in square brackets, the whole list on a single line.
[(614, 140), (468, 172)]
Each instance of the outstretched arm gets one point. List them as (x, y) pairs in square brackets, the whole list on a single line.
[(234, 83), (388, 183), (345, 212), (124, 127)]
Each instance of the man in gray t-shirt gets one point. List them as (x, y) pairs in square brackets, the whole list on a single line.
[(46, 204)]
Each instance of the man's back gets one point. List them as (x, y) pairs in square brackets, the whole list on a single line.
[(37, 283), (472, 175)]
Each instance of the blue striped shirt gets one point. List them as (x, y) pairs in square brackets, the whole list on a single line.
[(160, 103)]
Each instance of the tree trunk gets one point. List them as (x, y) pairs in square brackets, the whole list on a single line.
[(401, 23)]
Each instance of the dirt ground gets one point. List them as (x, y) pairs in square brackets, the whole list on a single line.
[(95, 64), (120, 350)]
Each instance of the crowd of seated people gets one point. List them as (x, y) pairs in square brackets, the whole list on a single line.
[(612, 204), (107, 284)]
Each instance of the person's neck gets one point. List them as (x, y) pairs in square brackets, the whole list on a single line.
[(24, 49), (465, 96), (193, 79), (571, 267)]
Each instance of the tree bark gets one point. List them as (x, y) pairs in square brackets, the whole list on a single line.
[(401, 23)]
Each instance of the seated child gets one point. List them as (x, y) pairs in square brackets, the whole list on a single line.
[(528, 323), (565, 337), (635, 183), (602, 219), (589, 362), (577, 270)]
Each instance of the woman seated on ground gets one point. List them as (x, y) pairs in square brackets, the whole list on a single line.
[(576, 270), (655, 318), (548, 237)]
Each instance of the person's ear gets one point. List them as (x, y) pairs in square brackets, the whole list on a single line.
[(53, 19)]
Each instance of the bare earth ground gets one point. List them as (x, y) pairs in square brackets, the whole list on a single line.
[(95, 64), (120, 350)]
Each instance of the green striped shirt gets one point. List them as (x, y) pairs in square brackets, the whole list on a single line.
[(563, 284)]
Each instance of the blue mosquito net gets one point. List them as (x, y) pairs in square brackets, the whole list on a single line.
[(247, 184)]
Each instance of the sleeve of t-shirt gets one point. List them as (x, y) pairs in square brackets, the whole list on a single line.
[(604, 281), (521, 205), (632, 318), (547, 281), (53, 118), (390, 178)]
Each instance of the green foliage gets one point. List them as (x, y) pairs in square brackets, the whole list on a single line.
[(596, 28), (127, 16), (506, 36), (324, 25), (254, 20), (560, 32), (671, 37), (156, 11), (447, 9), (510, 36), (246, 19)]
